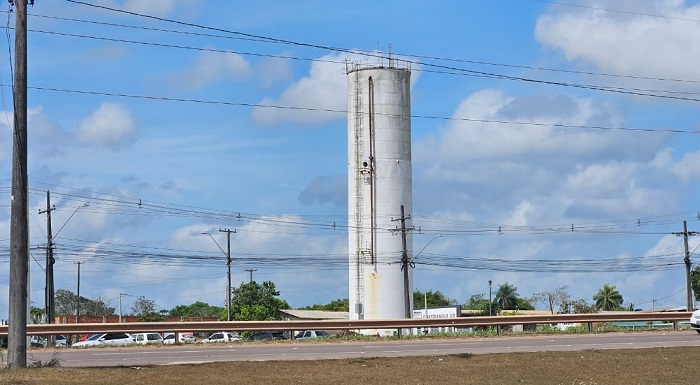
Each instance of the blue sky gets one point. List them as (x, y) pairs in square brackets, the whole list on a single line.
[(187, 120)]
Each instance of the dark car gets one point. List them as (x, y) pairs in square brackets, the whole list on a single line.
[(269, 335)]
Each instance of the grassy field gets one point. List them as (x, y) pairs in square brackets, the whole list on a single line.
[(636, 366)]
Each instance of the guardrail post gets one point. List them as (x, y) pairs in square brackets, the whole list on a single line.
[(498, 330), (590, 327)]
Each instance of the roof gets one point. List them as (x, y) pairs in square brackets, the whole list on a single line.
[(315, 314)]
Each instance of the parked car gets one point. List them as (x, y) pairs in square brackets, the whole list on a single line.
[(147, 338), (695, 321), (222, 337), (61, 341), (309, 334), (109, 339), (185, 338), (269, 335)]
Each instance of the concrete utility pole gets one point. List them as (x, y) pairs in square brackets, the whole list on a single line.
[(228, 273), (19, 208), (49, 261), (251, 273), (686, 259), (77, 309), (404, 265), (120, 306)]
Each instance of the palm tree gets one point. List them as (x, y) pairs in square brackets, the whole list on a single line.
[(507, 296), (608, 298)]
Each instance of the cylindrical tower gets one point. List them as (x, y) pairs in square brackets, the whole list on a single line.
[(379, 183)]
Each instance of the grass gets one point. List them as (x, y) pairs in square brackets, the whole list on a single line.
[(677, 365)]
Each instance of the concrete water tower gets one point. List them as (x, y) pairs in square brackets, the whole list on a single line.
[(379, 183)]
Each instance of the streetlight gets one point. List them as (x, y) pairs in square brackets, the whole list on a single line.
[(120, 306), (490, 297), (228, 266), (426, 245)]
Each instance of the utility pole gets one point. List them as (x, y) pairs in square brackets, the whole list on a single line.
[(686, 259), (251, 273), (490, 310), (77, 309), (228, 272), (49, 261), (404, 264), (19, 208)]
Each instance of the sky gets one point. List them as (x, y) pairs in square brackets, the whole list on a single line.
[(553, 144)]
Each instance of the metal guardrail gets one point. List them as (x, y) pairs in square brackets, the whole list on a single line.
[(42, 329)]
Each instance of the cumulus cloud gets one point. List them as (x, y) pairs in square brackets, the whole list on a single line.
[(151, 7), (273, 70), (110, 126), (326, 189), (316, 96), (522, 173), (626, 42), (212, 67)]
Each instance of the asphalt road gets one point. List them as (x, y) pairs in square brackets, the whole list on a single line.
[(305, 350)]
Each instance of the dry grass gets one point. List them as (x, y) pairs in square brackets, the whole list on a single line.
[(640, 366)]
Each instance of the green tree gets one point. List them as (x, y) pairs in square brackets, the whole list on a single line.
[(579, 306), (507, 296), (524, 304), (608, 298), (256, 302), (478, 302), (695, 282), (66, 302), (434, 299), (37, 315), (335, 305), (197, 309), (553, 300)]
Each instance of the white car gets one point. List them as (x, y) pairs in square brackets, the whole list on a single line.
[(310, 334), (108, 339), (222, 337), (695, 321), (147, 338), (185, 338)]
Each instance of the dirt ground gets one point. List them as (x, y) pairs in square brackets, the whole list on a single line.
[(635, 366)]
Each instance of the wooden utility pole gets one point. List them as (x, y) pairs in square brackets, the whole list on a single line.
[(19, 216)]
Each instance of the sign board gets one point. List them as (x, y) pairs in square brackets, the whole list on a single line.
[(438, 312)]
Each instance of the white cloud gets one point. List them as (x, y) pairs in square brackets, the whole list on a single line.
[(273, 70), (151, 7), (324, 88), (624, 42), (687, 168), (111, 126), (520, 173), (213, 67)]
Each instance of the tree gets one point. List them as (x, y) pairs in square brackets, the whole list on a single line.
[(67, 303), (335, 305), (478, 302), (555, 299), (608, 298), (695, 282), (197, 309), (435, 299), (143, 305), (256, 302), (507, 296), (579, 306), (524, 304), (37, 315)]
